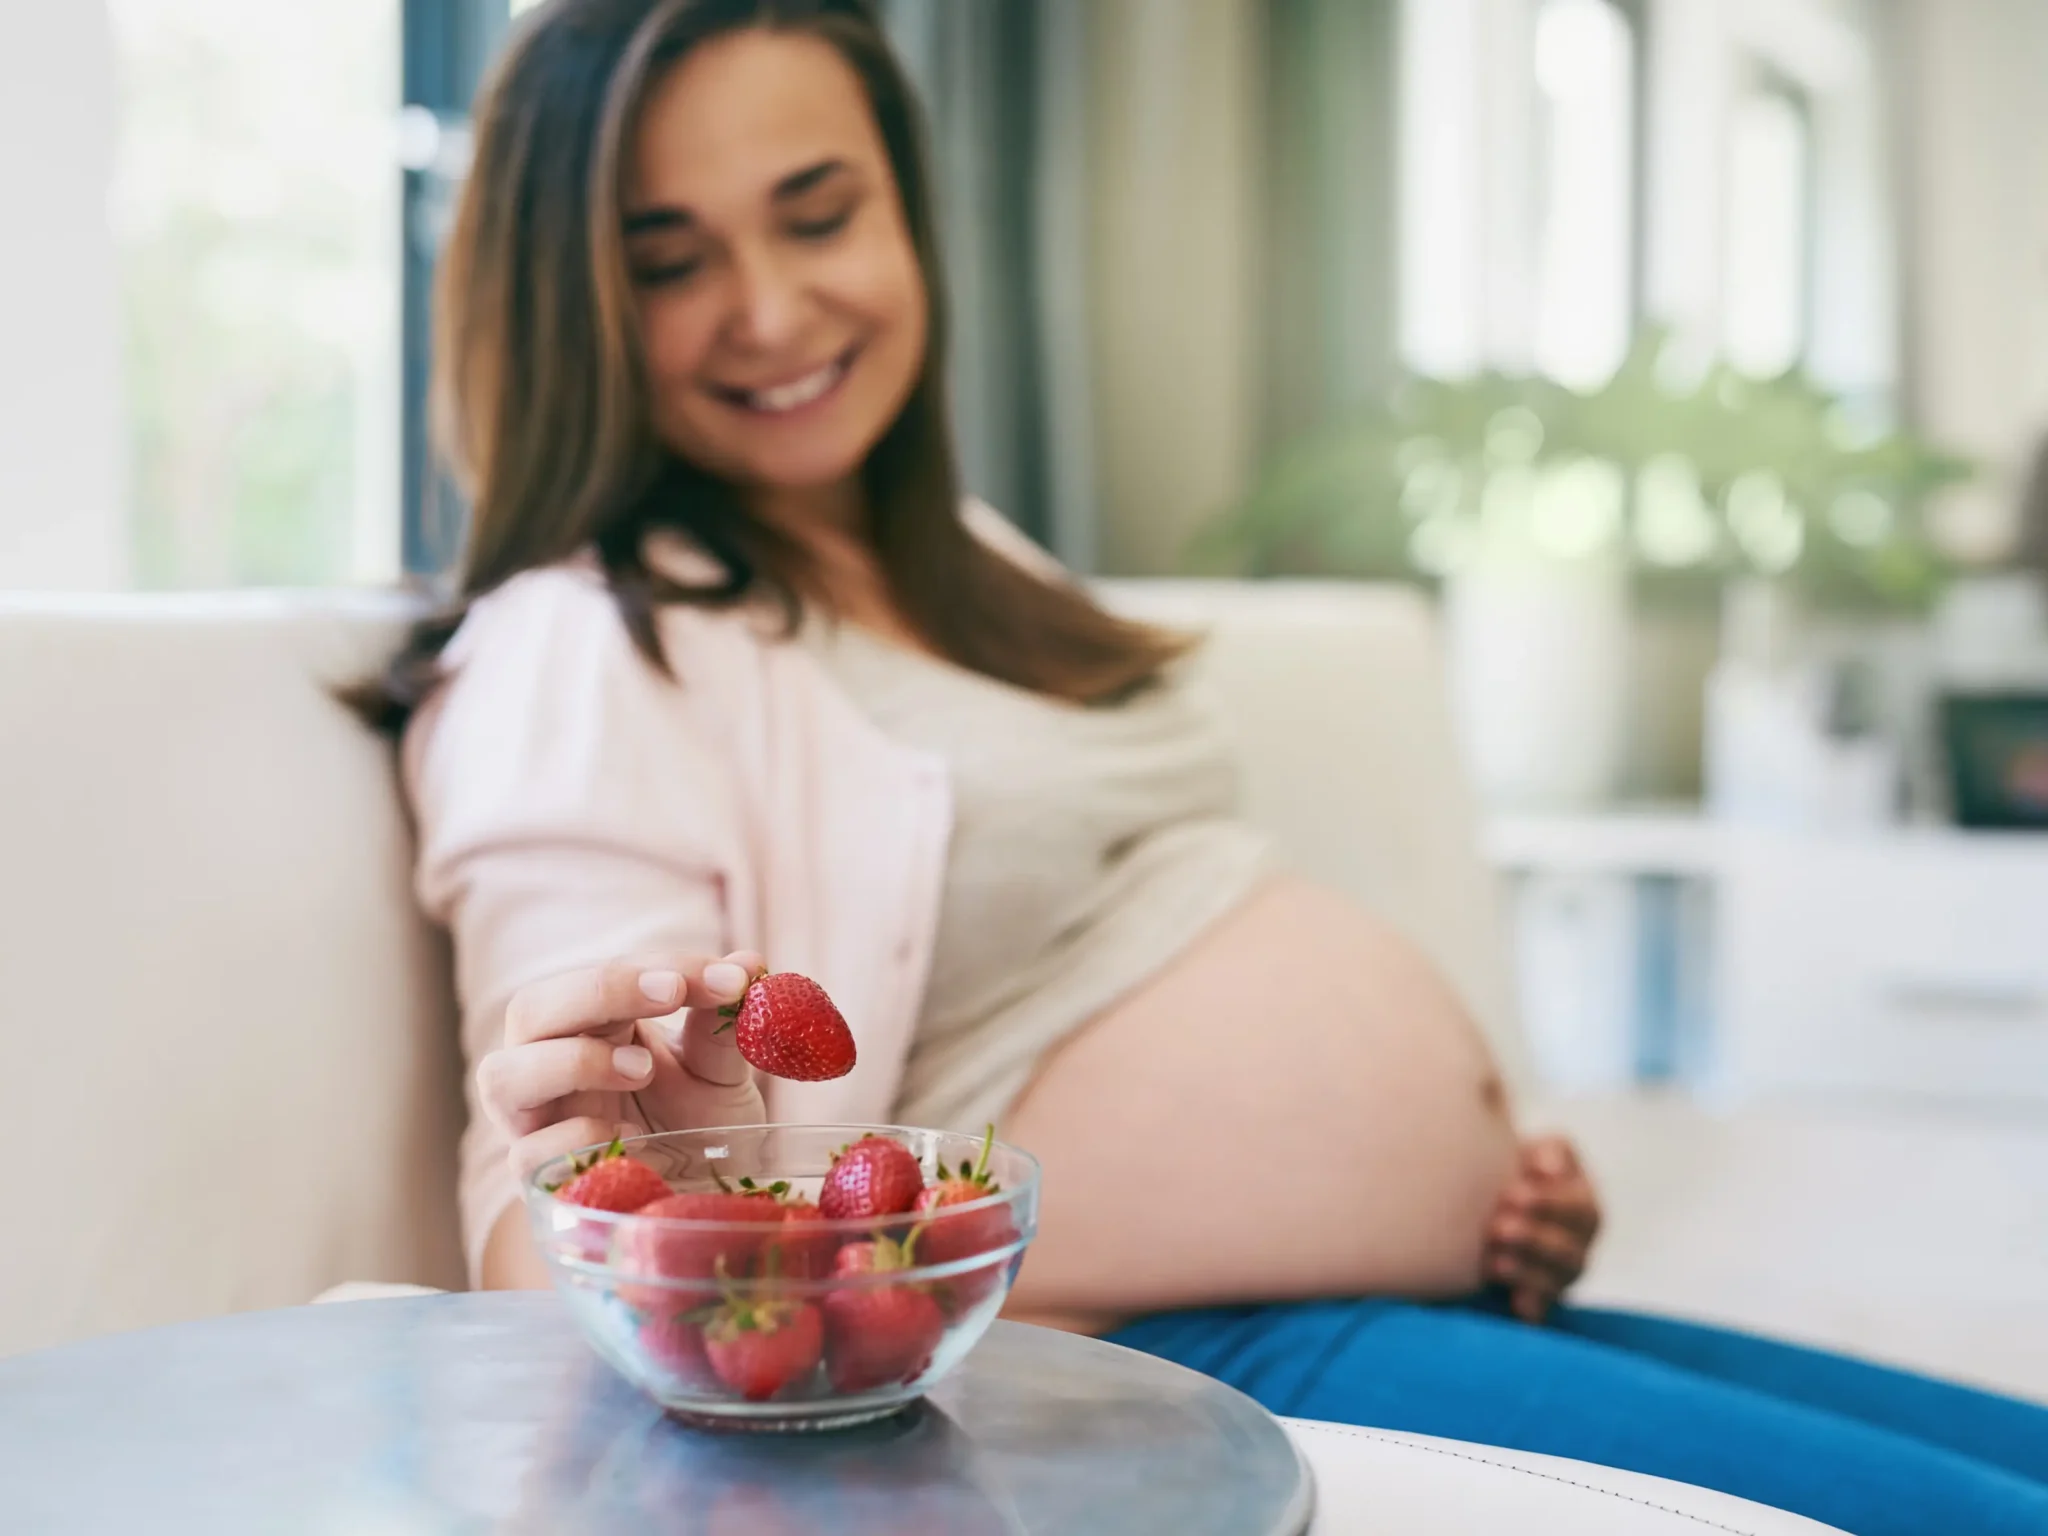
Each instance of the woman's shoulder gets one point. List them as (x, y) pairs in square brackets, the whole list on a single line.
[(566, 615), (534, 610), (544, 664)]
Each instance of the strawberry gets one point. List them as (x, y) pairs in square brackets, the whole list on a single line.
[(648, 1249), (805, 1250), (874, 1257), (786, 1026), (759, 1347), (880, 1334), (941, 1239), (610, 1181), (799, 1251), (603, 1181), (675, 1344), (874, 1177)]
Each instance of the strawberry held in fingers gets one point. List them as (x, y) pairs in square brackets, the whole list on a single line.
[(786, 1026), (876, 1176)]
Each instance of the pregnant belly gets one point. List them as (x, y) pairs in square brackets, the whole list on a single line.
[(1297, 1107)]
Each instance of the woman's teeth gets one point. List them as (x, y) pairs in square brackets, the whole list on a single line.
[(796, 393)]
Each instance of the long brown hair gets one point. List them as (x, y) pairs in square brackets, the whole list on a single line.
[(540, 402)]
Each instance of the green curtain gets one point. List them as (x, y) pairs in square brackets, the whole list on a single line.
[(1329, 290), (982, 69)]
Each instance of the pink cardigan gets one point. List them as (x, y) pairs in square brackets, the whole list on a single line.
[(573, 805)]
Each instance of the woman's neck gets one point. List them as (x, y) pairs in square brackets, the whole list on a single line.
[(816, 516), (830, 523)]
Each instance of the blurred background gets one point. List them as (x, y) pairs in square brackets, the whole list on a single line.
[(1693, 352)]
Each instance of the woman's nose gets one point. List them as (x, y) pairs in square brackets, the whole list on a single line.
[(767, 302)]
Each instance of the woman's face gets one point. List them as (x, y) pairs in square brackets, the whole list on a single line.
[(781, 306)]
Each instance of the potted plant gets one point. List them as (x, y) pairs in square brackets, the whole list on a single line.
[(1543, 513)]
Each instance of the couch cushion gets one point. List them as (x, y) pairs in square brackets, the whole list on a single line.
[(223, 1029)]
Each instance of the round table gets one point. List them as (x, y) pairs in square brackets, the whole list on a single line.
[(486, 1413)]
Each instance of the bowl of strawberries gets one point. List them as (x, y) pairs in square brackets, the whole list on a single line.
[(786, 1277)]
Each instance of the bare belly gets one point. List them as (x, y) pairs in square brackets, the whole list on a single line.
[(1298, 1107)]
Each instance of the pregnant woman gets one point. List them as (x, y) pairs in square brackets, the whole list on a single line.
[(735, 672)]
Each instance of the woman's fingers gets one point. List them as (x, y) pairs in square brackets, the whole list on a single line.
[(708, 1049), (1532, 1281), (1531, 1285), (1574, 1208), (1550, 1243), (518, 1083), (617, 992), (1550, 1157), (679, 1096), (560, 1139), (1532, 1302)]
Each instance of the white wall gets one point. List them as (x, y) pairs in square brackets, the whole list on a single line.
[(62, 443), (1975, 77)]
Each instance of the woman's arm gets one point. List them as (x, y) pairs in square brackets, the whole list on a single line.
[(560, 803), (510, 1261)]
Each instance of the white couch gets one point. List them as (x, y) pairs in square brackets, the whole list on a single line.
[(224, 1034), (226, 1037)]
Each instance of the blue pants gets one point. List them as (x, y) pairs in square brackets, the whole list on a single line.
[(1873, 1451)]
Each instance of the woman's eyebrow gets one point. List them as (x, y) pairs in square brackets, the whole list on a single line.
[(797, 183), (644, 221)]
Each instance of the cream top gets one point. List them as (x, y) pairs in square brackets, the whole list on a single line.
[(1090, 846)]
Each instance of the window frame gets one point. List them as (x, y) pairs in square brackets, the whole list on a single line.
[(447, 45)]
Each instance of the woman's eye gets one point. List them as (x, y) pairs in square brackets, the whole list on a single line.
[(820, 229), (659, 274)]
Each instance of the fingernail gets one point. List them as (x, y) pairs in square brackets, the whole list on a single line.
[(661, 986), (725, 979), (627, 1130), (632, 1061)]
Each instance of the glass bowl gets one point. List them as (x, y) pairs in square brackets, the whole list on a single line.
[(772, 1323)]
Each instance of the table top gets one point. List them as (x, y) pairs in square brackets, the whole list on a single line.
[(475, 1413)]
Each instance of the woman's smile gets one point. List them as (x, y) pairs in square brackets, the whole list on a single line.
[(794, 392)]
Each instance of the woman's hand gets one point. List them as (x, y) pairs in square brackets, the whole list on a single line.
[(1542, 1227), (586, 1056)]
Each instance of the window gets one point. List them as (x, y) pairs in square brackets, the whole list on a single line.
[(255, 212), (1766, 285), (448, 44), (1585, 239)]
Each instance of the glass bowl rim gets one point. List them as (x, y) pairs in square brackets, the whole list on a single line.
[(538, 1197)]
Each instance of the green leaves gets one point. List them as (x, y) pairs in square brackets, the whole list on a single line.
[(1716, 473)]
